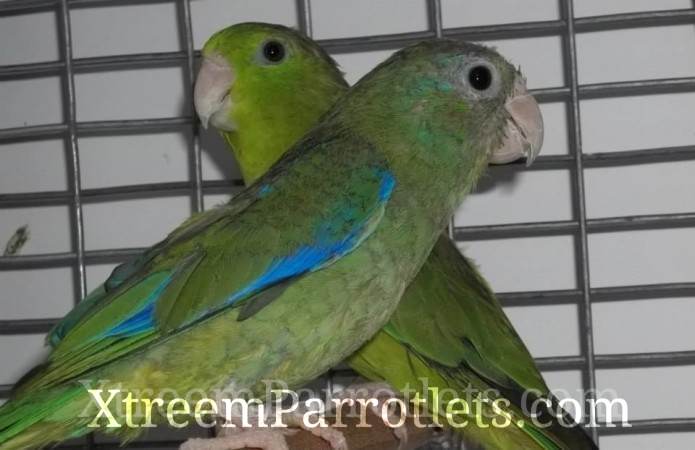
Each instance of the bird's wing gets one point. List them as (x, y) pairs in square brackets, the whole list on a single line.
[(450, 328), (290, 223), (461, 322), (93, 301)]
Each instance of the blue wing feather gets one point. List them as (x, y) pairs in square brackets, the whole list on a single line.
[(305, 259), (312, 257)]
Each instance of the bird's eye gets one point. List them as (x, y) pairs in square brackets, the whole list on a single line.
[(274, 51), (480, 78)]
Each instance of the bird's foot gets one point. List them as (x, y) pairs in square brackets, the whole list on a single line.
[(250, 438), (232, 435), (335, 438), (376, 397)]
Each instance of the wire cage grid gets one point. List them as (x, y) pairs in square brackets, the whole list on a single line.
[(567, 27)]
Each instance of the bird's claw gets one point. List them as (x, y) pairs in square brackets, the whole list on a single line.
[(264, 439), (336, 439)]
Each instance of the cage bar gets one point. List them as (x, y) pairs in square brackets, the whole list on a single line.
[(186, 27), (566, 27)]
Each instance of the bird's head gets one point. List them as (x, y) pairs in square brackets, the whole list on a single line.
[(466, 93), (262, 86)]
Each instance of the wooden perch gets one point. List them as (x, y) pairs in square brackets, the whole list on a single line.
[(378, 437)]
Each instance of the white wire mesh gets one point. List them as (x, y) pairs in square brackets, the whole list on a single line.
[(555, 253)]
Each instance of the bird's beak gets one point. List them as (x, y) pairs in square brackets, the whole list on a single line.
[(211, 95), (524, 132)]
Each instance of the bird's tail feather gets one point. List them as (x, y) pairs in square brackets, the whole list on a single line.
[(560, 428), (39, 419)]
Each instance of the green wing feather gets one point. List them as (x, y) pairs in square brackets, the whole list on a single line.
[(215, 256), (122, 272), (460, 319), (450, 329)]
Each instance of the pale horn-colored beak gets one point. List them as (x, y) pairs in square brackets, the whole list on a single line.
[(211, 95), (524, 133)]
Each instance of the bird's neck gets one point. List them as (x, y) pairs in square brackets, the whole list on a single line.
[(256, 152), (267, 127), (435, 165)]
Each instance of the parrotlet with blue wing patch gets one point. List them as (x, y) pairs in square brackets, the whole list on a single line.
[(301, 268), (449, 328)]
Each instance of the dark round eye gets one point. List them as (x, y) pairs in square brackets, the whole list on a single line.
[(480, 77), (274, 51)]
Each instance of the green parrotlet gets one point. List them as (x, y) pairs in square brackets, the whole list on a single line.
[(301, 268), (449, 326)]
